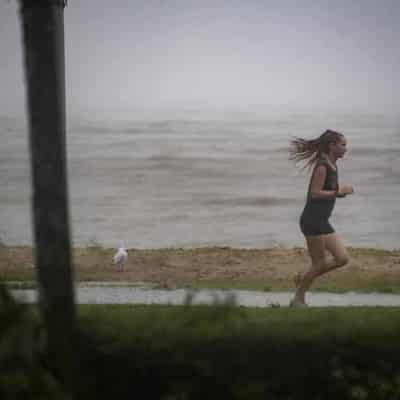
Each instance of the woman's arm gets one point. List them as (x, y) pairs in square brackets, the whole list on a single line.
[(317, 184)]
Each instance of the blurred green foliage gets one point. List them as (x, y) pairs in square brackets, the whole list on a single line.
[(207, 352), (23, 371), (229, 352)]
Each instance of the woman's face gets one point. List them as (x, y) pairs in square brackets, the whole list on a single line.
[(339, 148)]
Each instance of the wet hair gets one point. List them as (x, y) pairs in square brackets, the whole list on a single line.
[(310, 150)]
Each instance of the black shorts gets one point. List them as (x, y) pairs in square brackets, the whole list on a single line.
[(315, 226)]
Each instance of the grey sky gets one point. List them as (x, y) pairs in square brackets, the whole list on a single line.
[(125, 54)]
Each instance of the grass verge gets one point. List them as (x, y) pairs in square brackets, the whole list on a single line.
[(220, 351)]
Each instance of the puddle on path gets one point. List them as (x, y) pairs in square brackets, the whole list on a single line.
[(135, 295)]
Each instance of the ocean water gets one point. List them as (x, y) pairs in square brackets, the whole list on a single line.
[(206, 179)]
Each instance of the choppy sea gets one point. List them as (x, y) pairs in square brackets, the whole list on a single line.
[(203, 179)]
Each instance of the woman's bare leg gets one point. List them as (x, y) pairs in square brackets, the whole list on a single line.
[(319, 264), (335, 246), (316, 250)]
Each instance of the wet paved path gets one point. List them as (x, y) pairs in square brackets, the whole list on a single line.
[(133, 295)]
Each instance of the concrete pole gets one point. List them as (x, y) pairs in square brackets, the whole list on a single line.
[(43, 44)]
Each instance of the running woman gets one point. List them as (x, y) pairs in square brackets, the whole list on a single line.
[(320, 155)]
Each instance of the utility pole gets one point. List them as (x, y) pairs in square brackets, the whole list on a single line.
[(43, 45)]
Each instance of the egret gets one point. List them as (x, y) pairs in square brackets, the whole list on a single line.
[(120, 258)]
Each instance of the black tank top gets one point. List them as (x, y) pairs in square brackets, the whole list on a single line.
[(322, 208), (331, 180)]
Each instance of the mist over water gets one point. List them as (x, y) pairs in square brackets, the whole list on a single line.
[(196, 178)]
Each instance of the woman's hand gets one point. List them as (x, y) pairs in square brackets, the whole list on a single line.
[(345, 190)]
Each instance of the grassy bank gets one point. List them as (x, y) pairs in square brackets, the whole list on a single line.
[(232, 353), (215, 267), (125, 323), (223, 352)]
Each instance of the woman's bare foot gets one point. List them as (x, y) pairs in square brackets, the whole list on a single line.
[(295, 302)]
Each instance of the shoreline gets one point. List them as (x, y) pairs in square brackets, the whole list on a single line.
[(268, 269)]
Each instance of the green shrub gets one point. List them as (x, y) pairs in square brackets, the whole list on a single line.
[(23, 373), (207, 352)]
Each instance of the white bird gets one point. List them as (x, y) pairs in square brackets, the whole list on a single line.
[(120, 258)]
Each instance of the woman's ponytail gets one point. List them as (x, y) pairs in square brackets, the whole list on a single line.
[(310, 150)]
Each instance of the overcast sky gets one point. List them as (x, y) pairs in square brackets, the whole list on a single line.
[(126, 54)]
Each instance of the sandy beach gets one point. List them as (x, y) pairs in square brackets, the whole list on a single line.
[(215, 267)]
